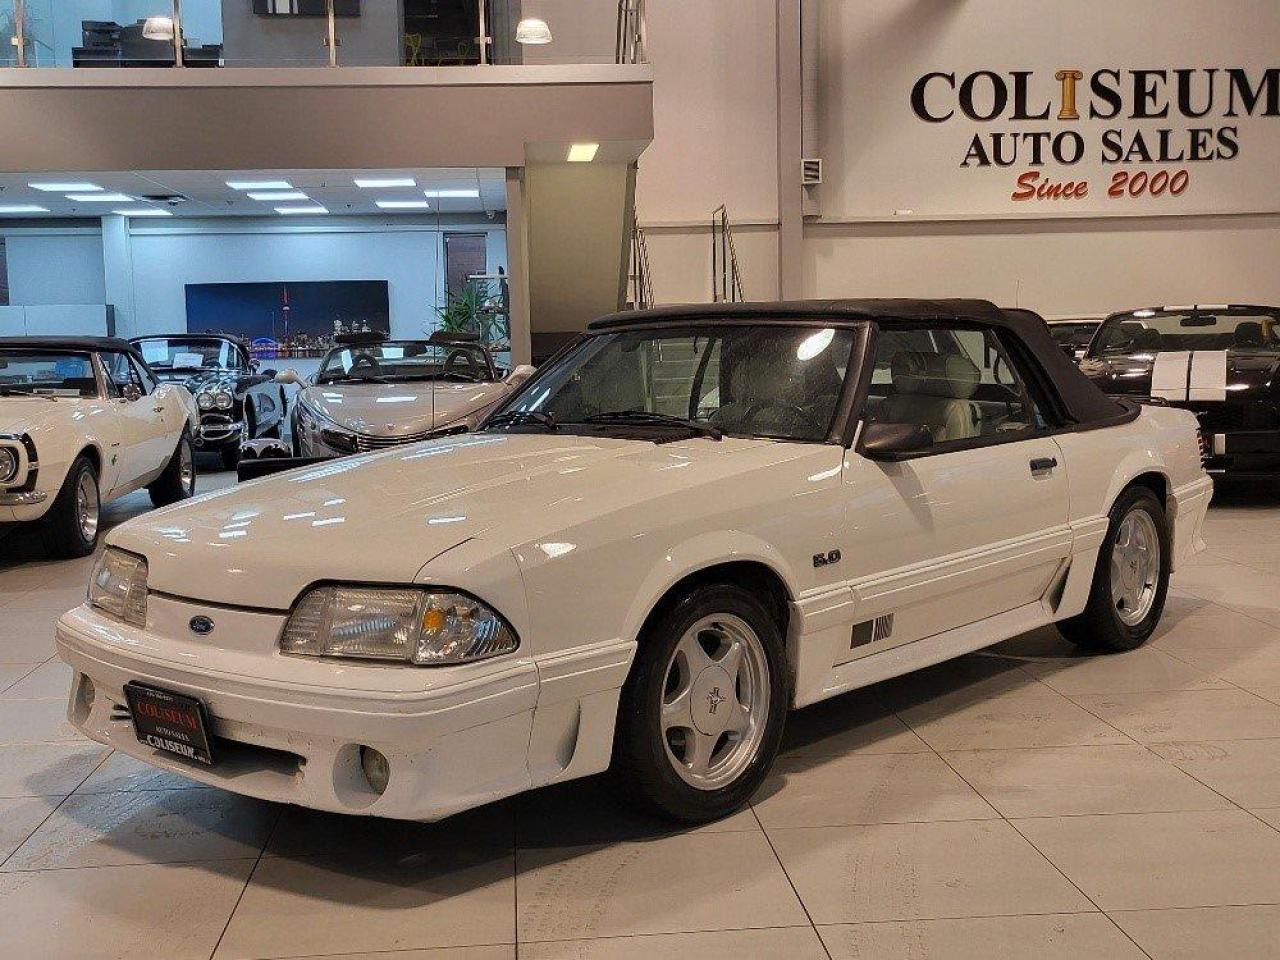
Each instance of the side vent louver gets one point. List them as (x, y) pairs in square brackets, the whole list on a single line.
[(811, 171), (871, 631)]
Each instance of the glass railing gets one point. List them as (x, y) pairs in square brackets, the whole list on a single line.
[(283, 33)]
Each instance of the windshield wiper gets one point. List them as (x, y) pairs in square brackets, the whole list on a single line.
[(349, 379), (19, 392), (517, 417), (646, 417)]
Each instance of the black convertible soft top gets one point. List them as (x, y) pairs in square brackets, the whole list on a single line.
[(1081, 400), (91, 344)]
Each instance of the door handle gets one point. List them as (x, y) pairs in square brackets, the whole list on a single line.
[(1042, 464)]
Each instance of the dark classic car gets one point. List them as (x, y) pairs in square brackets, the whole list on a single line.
[(237, 401), (1073, 334), (1220, 361)]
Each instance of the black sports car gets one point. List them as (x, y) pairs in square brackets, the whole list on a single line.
[(1220, 361), (1073, 335), (237, 401)]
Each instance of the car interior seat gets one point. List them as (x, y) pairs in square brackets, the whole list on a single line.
[(936, 390), (1248, 334)]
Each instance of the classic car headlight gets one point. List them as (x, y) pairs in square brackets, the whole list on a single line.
[(8, 464), (422, 626), (118, 586), (204, 401), (222, 400)]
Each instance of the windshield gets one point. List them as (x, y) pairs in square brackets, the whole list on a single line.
[(761, 380), (1157, 331), (46, 374), (1073, 334), (398, 361), (178, 353)]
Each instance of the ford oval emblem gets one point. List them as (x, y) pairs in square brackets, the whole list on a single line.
[(202, 626)]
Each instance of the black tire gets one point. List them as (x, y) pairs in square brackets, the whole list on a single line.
[(169, 486), (1100, 626), (231, 456), (641, 764), (63, 533)]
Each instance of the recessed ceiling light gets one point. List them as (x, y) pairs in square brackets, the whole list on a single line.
[(404, 204), (142, 212), (259, 184), (378, 183), (73, 187), (23, 208), (452, 193), (294, 211), (583, 152), (278, 195), (99, 197)]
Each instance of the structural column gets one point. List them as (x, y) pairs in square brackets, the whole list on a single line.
[(117, 265), (790, 147)]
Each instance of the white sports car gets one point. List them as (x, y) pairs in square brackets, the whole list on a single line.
[(691, 522), (83, 420), (371, 393)]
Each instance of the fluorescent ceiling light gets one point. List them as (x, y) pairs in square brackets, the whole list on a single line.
[(259, 184), (73, 187), (452, 193), (385, 182), (278, 195), (583, 152), (99, 197), (532, 30), (142, 212), (294, 211), (404, 204), (23, 208)]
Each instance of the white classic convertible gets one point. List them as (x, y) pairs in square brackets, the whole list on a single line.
[(690, 522), (83, 420)]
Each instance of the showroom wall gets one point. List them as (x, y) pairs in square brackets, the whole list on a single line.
[(898, 215), (57, 269)]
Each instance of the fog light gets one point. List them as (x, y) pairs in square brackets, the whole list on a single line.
[(377, 771)]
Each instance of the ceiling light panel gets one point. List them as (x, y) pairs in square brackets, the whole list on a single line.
[(72, 187), (259, 184), (99, 198), (277, 195), (23, 208), (453, 194), (295, 211), (583, 152), (404, 205), (384, 183), (142, 212)]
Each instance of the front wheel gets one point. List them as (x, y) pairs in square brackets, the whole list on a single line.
[(702, 713), (178, 482), (1131, 579), (71, 525)]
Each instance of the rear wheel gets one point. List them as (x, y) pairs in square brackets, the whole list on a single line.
[(178, 482), (71, 525), (702, 713), (1131, 579)]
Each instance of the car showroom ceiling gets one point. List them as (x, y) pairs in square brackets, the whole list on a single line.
[(208, 193)]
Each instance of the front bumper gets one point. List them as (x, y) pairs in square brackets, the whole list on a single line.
[(461, 742), (218, 431), (24, 506)]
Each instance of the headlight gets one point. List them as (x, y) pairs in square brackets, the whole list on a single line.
[(204, 401), (8, 464), (425, 627), (119, 586), (222, 400)]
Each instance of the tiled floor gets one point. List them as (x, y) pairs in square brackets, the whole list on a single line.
[(1025, 802)]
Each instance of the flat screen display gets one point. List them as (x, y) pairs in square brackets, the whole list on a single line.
[(289, 319)]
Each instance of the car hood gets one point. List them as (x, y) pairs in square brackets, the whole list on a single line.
[(201, 380), (35, 415), (1248, 371), (400, 409), (381, 517)]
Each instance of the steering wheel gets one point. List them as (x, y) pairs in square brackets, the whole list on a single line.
[(366, 364), (800, 415)]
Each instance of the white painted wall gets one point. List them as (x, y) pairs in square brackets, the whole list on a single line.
[(167, 258), (51, 267)]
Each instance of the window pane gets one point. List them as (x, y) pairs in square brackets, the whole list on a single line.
[(957, 382)]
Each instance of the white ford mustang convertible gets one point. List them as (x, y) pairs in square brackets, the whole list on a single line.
[(83, 420), (688, 523)]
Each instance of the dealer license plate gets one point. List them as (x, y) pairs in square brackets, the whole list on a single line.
[(170, 722)]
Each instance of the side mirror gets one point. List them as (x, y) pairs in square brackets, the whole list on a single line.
[(287, 376), (894, 441), (131, 393)]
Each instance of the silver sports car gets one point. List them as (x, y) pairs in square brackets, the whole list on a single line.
[(371, 392)]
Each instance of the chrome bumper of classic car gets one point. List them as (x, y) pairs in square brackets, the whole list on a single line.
[(23, 498), (218, 430)]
